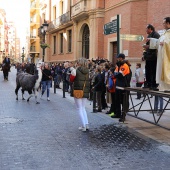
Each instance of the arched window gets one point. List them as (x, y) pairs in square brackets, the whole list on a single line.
[(85, 42)]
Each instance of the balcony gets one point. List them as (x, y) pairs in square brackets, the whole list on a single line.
[(32, 21), (61, 21), (32, 49), (33, 7), (80, 10), (43, 4), (32, 36)]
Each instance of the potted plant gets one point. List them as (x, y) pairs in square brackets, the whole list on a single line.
[(44, 45)]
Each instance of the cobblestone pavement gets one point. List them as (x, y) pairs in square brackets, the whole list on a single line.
[(45, 136)]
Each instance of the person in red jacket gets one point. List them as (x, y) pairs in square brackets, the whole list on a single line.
[(111, 88)]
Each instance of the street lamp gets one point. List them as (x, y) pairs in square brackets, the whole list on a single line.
[(43, 31), (23, 54), (3, 54)]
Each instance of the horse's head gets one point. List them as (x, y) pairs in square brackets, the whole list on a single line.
[(39, 63)]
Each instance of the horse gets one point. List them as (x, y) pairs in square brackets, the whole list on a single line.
[(5, 69), (28, 82)]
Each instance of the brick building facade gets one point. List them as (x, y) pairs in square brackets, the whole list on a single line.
[(76, 27)]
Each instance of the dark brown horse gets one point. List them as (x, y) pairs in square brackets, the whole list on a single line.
[(5, 69)]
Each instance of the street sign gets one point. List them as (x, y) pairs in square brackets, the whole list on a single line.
[(130, 37), (110, 27)]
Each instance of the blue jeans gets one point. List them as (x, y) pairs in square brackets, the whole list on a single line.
[(46, 85), (157, 101)]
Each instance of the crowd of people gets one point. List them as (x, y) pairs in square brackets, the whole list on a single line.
[(102, 77)]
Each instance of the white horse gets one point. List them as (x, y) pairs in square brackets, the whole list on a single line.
[(30, 83)]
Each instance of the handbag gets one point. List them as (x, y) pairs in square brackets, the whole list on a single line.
[(79, 93)]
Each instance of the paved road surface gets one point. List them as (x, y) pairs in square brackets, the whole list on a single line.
[(46, 137)]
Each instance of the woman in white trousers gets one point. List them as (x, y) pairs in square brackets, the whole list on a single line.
[(81, 82)]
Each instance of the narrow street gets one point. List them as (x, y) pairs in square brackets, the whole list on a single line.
[(45, 136)]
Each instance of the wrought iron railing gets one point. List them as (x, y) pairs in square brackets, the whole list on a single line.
[(32, 49), (59, 21)]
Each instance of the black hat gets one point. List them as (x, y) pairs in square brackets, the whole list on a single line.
[(121, 55), (112, 69)]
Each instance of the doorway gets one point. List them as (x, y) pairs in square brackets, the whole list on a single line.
[(114, 52)]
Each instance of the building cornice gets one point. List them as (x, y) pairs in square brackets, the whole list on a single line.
[(122, 3), (99, 13)]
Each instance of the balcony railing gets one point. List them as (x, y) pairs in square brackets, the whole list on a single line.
[(79, 7), (32, 49), (32, 36), (65, 18)]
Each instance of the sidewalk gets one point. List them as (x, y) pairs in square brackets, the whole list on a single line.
[(133, 124)]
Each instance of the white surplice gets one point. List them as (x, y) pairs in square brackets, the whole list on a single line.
[(155, 44)]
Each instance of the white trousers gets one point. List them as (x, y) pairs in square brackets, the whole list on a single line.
[(80, 104)]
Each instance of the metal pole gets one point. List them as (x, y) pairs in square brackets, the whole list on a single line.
[(118, 36), (43, 48), (54, 85), (64, 85), (22, 54), (43, 54), (94, 102)]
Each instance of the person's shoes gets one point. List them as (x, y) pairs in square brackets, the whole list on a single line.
[(115, 116), (154, 88), (112, 114), (99, 110), (137, 98), (83, 129), (104, 107), (121, 120), (87, 127), (48, 99), (159, 113), (41, 96), (108, 112), (154, 111)]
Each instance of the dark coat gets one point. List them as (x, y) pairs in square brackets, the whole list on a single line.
[(82, 75), (98, 82), (7, 62), (151, 54), (46, 75), (123, 81)]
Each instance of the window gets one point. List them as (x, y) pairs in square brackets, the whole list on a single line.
[(54, 43), (69, 40), (61, 43), (61, 7), (54, 12)]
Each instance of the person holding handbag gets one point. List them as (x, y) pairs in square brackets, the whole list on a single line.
[(81, 83)]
